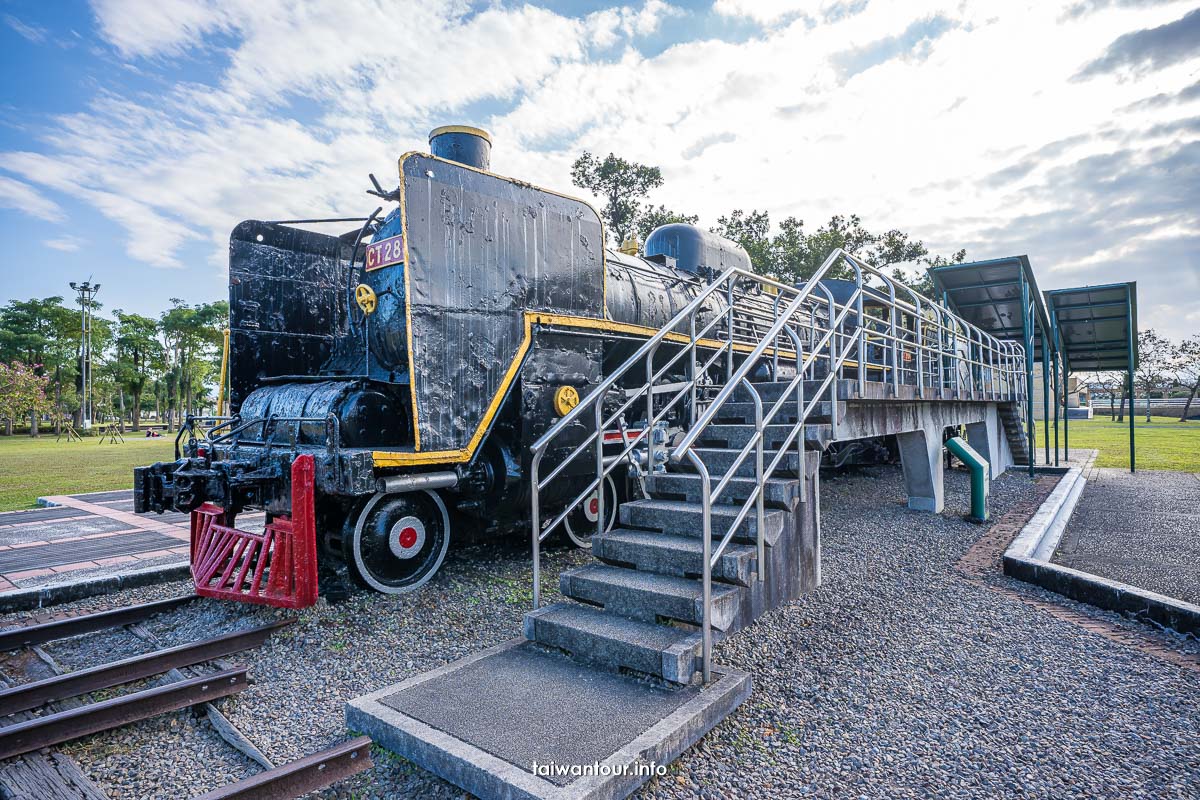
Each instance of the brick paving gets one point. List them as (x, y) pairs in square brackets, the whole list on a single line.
[(93, 533)]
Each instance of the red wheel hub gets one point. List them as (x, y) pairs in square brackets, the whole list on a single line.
[(408, 537), (594, 506)]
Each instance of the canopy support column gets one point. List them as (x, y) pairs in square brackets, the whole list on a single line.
[(1132, 369), (1027, 340), (1046, 392)]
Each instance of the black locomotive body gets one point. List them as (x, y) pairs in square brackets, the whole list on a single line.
[(416, 359)]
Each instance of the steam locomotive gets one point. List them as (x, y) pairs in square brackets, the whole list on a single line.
[(385, 384)]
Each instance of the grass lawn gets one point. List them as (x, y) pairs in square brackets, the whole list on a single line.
[(32, 468), (1163, 443)]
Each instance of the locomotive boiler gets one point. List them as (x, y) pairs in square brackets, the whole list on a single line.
[(385, 384)]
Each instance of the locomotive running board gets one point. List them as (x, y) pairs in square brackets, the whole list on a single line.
[(231, 564)]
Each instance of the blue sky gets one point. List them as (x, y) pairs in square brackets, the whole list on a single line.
[(136, 133)]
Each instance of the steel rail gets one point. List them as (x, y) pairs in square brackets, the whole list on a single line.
[(29, 635), (25, 737), (31, 695), (301, 776)]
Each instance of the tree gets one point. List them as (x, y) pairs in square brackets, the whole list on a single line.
[(139, 356), (43, 333), (1108, 382), (1156, 356), (193, 335), (653, 218), (793, 255), (753, 232), (623, 185), (1187, 369), (22, 392), (920, 279)]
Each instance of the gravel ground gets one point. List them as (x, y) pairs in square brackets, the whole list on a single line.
[(1142, 529), (898, 678)]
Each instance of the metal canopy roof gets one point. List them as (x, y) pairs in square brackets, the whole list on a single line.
[(1097, 326), (988, 295)]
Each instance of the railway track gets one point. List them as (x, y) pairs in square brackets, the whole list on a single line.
[(30, 768)]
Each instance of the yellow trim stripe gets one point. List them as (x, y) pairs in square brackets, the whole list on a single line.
[(383, 458), (480, 132), (412, 384), (393, 459)]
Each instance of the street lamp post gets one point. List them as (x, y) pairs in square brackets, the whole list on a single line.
[(86, 292)]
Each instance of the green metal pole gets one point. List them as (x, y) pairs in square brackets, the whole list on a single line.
[(1027, 334), (1057, 401), (1059, 390), (979, 476), (1132, 368), (1046, 392), (1067, 415)]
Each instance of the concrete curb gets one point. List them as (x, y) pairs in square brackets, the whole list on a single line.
[(1041, 535), (1028, 559), (42, 596)]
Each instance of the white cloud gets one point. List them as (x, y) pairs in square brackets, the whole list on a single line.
[(33, 33), (959, 123), (768, 11), (606, 26), (23, 197), (65, 243)]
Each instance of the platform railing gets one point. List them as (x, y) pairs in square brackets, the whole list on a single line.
[(891, 333), (936, 343)]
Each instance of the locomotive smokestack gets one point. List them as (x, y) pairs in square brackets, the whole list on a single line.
[(462, 143)]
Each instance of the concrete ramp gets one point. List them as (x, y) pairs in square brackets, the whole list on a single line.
[(518, 721)]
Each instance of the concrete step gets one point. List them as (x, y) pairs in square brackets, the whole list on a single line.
[(719, 460), (668, 554), (590, 634), (737, 411), (685, 519), (779, 492), (734, 437), (648, 596)]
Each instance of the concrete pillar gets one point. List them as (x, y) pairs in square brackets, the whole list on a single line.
[(921, 458), (987, 439)]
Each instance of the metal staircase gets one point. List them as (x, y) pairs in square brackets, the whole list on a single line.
[(753, 376)]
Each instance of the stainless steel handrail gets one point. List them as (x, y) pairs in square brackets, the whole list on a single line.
[(594, 402), (939, 343)]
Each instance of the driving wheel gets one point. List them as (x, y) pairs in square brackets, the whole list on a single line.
[(400, 541), (580, 524)]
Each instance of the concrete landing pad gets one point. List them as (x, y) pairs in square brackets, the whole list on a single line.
[(484, 721)]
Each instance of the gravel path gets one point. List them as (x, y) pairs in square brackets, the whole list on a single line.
[(1142, 529), (898, 678)]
